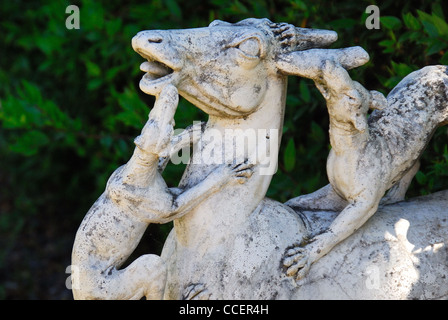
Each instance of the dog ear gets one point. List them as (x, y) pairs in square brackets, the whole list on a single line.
[(360, 124), (377, 101), (309, 63)]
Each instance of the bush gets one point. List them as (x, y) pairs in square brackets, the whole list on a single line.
[(70, 108)]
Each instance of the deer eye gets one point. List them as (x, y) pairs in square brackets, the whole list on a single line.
[(249, 50), (250, 47)]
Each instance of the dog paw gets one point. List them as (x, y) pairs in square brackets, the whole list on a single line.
[(297, 262), (196, 291)]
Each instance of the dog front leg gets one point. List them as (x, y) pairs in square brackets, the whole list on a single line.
[(298, 260)]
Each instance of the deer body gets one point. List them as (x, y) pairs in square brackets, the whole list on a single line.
[(204, 239)]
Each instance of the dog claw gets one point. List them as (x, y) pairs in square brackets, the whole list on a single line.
[(296, 261)]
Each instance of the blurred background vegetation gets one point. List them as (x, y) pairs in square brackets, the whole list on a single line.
[(71, 107)]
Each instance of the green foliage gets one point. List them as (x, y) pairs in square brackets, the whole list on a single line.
[(289, 158), (71, 106)]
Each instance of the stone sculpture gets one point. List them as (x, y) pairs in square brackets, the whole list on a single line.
[(228, 240)]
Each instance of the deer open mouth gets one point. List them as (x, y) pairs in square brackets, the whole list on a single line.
[(155, 70), (157, 75)]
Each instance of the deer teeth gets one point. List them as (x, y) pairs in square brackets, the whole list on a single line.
[(145, 66)]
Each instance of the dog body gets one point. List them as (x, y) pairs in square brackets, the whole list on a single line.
[(369, 156), (135, 196)]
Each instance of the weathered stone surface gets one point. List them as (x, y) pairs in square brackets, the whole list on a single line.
[(400, 253), (228, 240)]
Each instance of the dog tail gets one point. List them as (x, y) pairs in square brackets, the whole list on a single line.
[(439, 91), (423, 93), (445, 96)]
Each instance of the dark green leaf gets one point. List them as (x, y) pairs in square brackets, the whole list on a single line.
[(317, 133), (444, 59), (304, 91), (344, 23), (411, 22), (289, 156), (174, 8), (391, 23), (93, 69), (29, 143), (428, 24), (436, 47), (441, 25), (421, 178)]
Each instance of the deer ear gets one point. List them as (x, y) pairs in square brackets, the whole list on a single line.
[(216, 23), (309, 63)]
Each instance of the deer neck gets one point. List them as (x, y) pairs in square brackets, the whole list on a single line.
[(268, 115), (267, 119), (265, 123)]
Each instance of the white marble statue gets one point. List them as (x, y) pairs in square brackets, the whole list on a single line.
[(231, 242)]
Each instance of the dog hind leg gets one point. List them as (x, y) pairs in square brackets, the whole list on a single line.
[(144, 277), (325, 199), (398, 192)]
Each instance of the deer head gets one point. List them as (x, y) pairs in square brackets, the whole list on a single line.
[(225, 69)]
